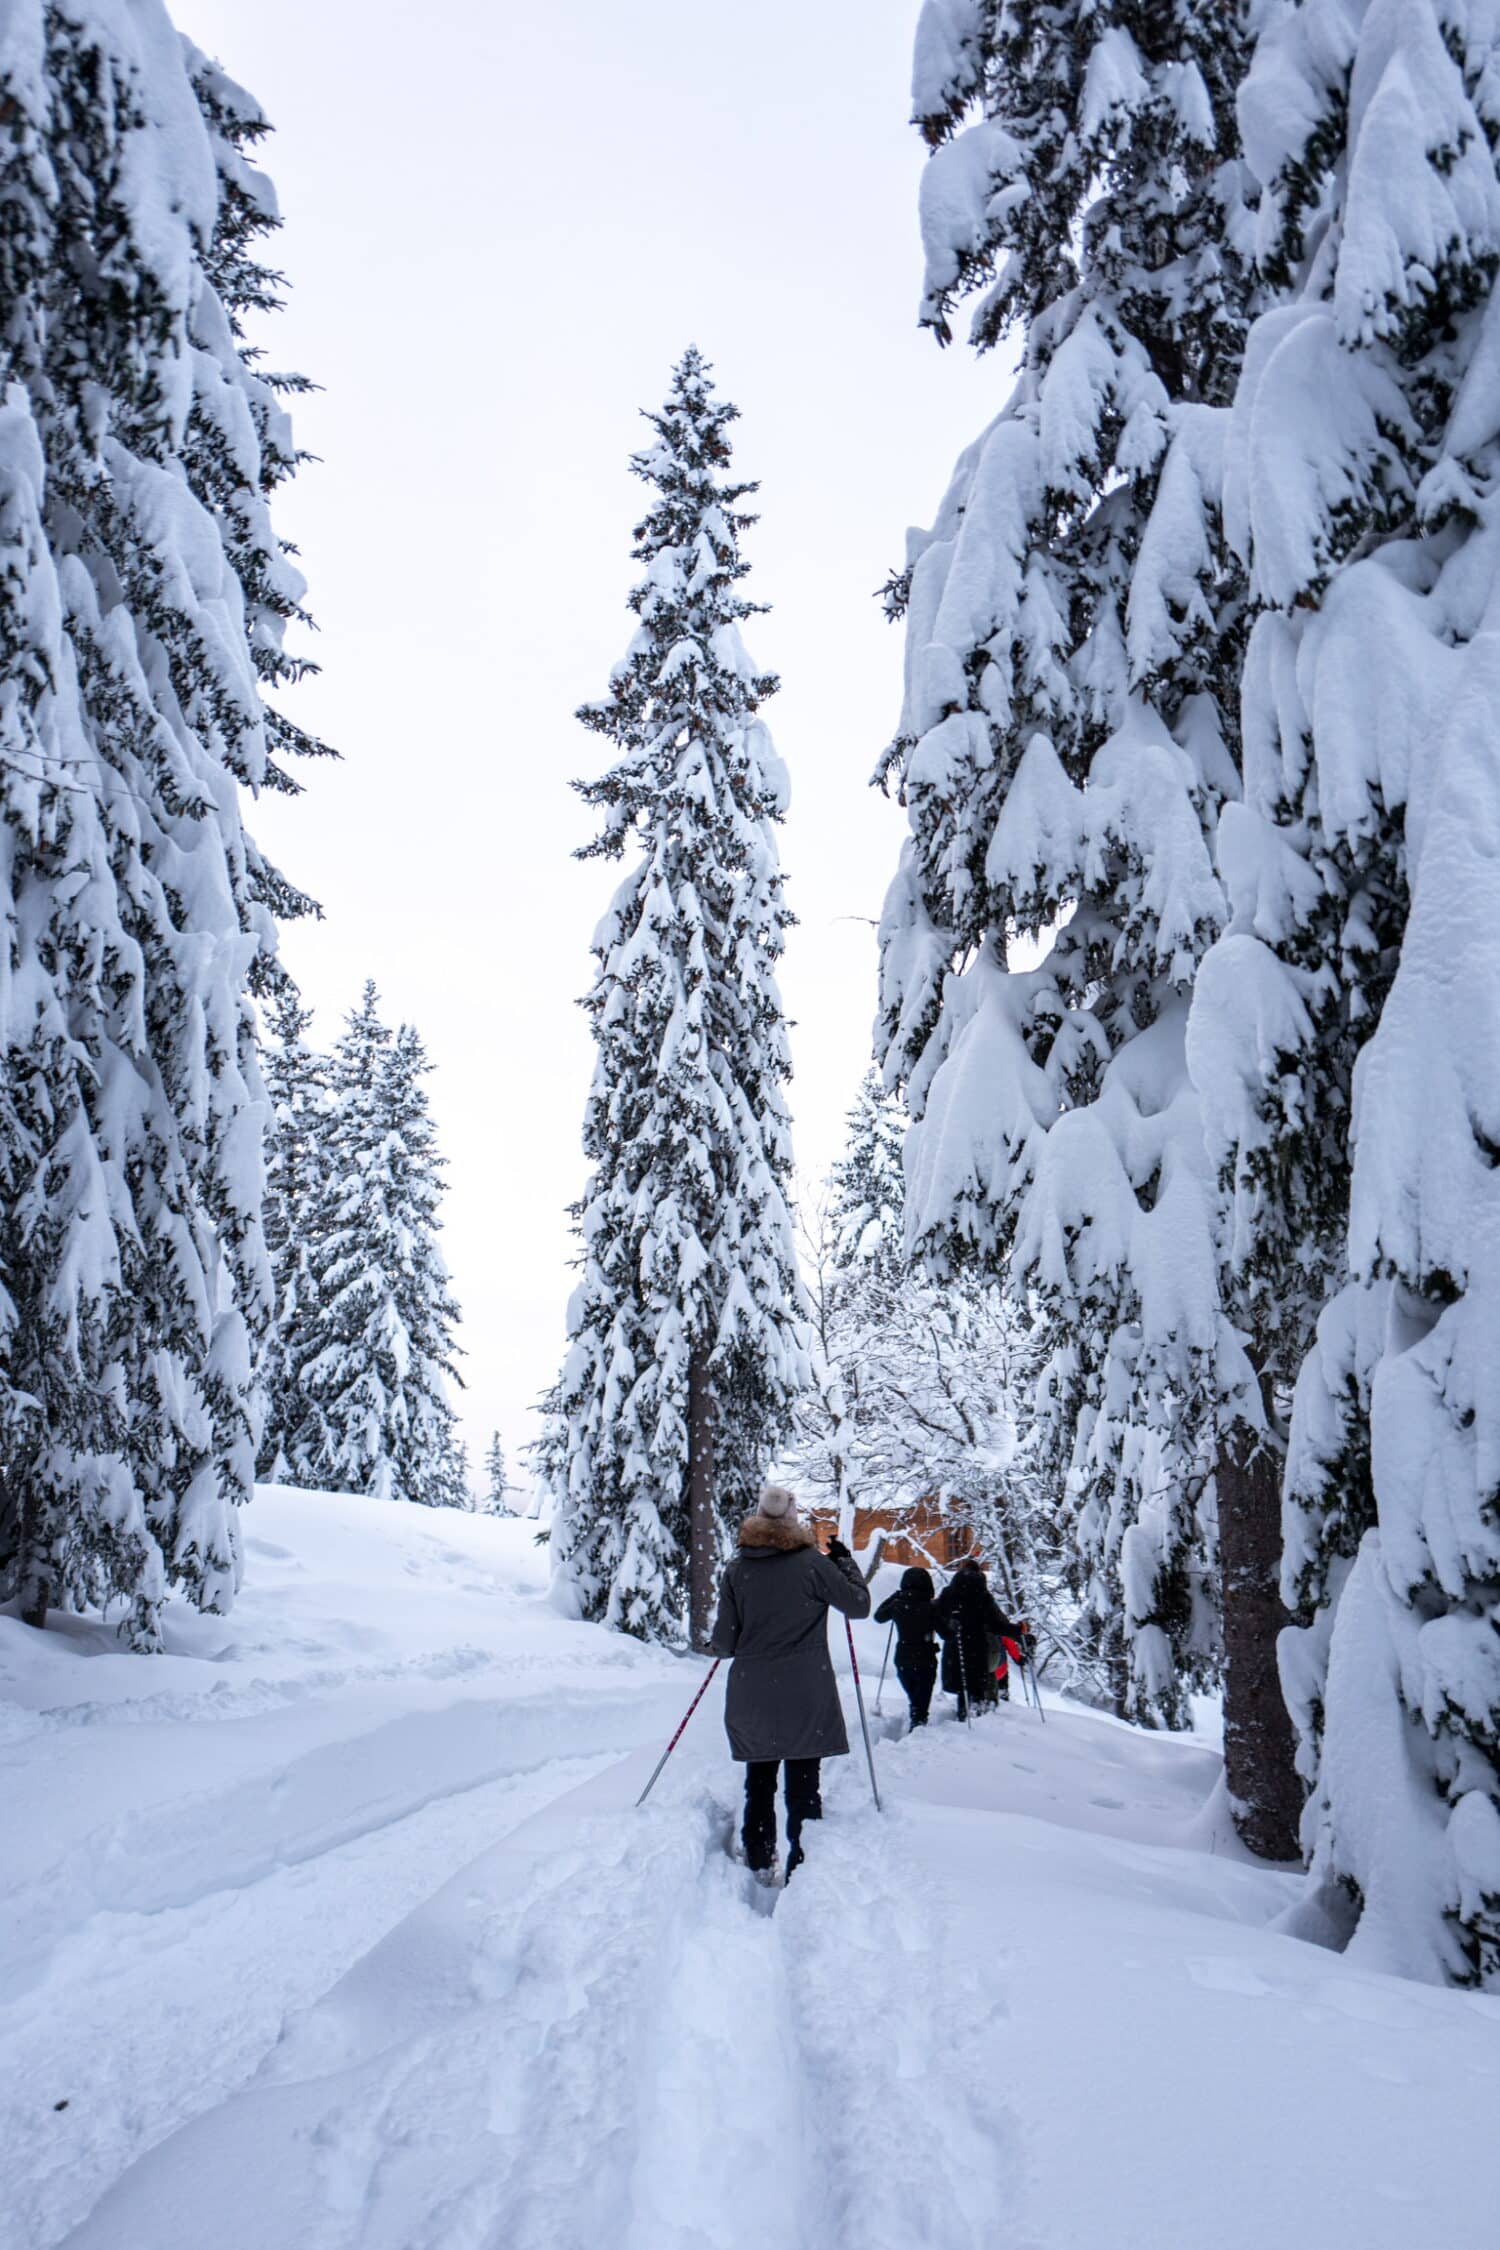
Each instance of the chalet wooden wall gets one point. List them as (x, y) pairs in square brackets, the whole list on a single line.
[(924, 1533)]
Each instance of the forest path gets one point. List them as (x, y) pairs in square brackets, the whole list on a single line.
[(1039, 1998), (194, 1848), (597, 2035), (342, 1932), (182, 2004)]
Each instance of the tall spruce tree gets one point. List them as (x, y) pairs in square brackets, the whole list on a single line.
[(687, 1338), (296, 1077), (458, 1492), (496, 1482), (376, 1348), (855, 1261), (868, 1200), (1344, 1030), (927, 1399), (1074, 636), (143, 599)]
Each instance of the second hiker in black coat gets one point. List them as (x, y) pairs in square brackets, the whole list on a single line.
[(969, 1619), (782, 1701), (910, 1610)]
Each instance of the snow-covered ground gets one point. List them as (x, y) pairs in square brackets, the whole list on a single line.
[(334, 1929)]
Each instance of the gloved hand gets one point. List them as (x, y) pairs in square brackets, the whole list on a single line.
[(838, 1552)]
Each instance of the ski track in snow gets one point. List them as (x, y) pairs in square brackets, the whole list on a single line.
[(224, 1971), (285, 1806), (599, 2036), (596, 2037), (197, 1848), (900, 2040), (384, 1959)]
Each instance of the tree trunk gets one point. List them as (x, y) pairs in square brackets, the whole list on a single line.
[(843, 1500), (33, 1586), (1259, 1767), (703, 1544)]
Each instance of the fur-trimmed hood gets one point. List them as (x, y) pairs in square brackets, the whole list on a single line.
[(776, 1534)]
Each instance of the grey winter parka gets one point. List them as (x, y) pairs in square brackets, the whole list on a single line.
[(782, 1700)]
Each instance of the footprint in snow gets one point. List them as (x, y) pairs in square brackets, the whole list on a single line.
[(1379, 2066), (1219, 1973)]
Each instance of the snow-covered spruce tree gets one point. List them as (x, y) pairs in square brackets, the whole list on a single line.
[(868, 1187), (688, 1344), (927, 1395), (460, 1492), (1345, 1029), (496, 1482), (818, 1456), (855, 1265), (852, 1251), (296, 1078), (143, 597), (1074, 634), (376, 1349)]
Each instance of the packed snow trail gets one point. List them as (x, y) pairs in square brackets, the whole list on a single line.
[(1042, 2001), (593, 2036), (196, 1847), (901, 2043), (181, 2006), (1038, 2000)]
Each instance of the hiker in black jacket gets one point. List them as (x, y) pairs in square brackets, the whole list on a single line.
[(970, 1621), (910, 1610)]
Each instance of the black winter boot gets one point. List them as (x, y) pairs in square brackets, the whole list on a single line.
[(758, 1835)]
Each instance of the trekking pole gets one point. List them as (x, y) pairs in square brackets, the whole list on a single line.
[(864, 1724), (963, 1680), (1026, 1666), (880, 1689), (677, 1737), (1030, 1692), (1027, 1670), (1037, 1692)]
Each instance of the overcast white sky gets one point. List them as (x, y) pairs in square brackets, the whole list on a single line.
[(503, 224)]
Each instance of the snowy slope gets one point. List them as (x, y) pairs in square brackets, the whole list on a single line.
[(429, 1983), (196, 1845)]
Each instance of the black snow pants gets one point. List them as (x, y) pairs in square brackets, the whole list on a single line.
[(918, 1675), (982, 1694), (803, 1802)]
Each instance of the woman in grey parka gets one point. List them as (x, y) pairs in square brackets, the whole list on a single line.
[(783, 1702)]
